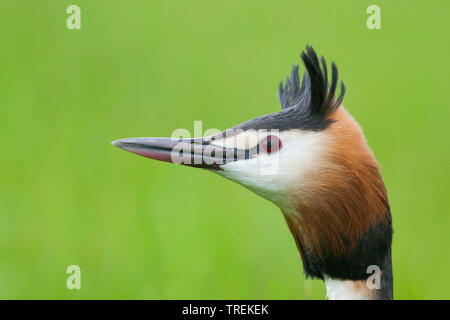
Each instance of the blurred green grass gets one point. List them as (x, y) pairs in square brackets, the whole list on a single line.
[(149, 230)]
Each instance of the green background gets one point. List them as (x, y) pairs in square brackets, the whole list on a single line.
[(150, 230)]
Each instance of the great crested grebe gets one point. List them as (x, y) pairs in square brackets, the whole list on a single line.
[(311, 159)]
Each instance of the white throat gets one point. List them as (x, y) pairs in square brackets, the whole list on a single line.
[(347, 289)]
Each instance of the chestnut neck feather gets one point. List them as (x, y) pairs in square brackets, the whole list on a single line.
[(341, 219)]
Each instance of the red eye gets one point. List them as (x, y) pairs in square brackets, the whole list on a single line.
[(270, 144)]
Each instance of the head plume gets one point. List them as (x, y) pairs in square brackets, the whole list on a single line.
[(315, 98)]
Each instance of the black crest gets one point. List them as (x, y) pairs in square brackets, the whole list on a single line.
[(315, 95), (304, 105)]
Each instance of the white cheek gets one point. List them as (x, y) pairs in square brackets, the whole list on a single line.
[(276, 176), (256, 175), (300, 155)]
